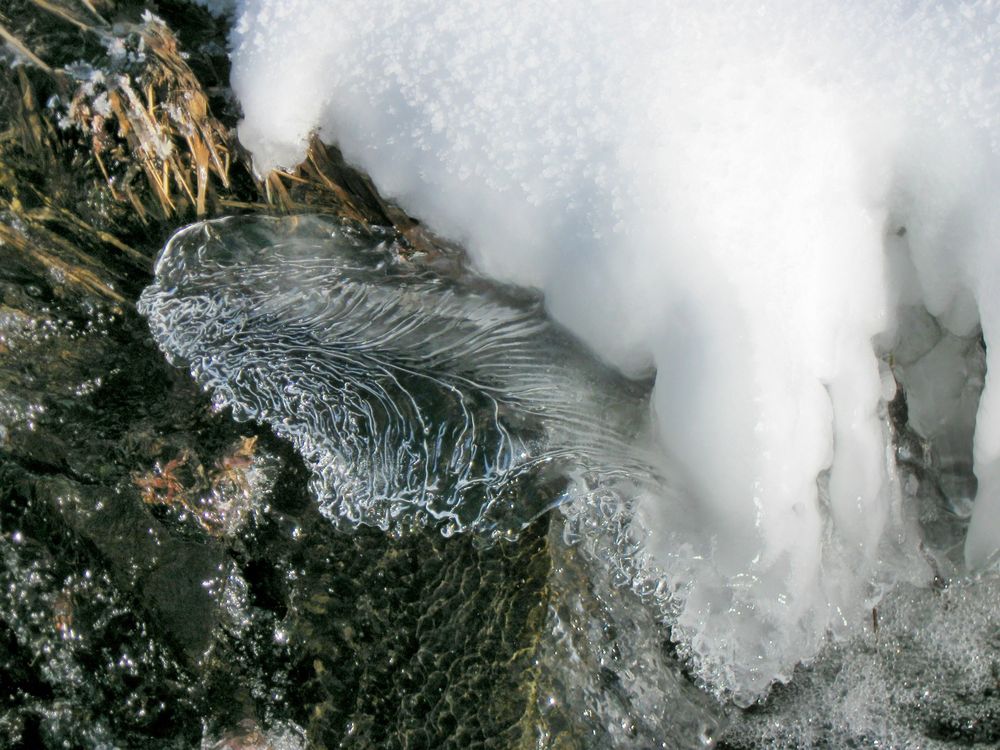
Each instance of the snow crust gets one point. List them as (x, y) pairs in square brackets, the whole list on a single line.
[(741, 196)]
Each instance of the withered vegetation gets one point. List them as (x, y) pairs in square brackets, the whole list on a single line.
[(101, 158)]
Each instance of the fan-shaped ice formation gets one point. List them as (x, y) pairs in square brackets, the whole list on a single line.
[(407, 392)]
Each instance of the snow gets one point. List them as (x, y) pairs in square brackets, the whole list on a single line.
[(741, 196)]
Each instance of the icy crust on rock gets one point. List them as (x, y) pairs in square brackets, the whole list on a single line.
[(924, 675), (410, 393), (738, 195)]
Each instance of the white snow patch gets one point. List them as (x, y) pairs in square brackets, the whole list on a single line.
[(713, 189)]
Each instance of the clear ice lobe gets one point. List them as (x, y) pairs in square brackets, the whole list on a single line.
[(411, 389)]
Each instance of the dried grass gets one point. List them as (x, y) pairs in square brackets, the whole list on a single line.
[(141, 122), (23, 50), (152, 118), (35, 230)]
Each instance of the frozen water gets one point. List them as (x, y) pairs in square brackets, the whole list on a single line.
[(409, 393), (739, 196), (923, 675), (349, 348)]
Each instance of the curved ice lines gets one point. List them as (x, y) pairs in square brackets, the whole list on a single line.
[(408, 392)]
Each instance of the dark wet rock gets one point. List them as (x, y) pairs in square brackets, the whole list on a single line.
[(165, 573), (126, 620), (166, 580), (91, 662), (414, 642)]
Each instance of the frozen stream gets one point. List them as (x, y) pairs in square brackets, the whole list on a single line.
[(693, 443), (419, 393), (781, 210)]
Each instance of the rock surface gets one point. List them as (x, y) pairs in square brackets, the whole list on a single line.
[(167, 581)]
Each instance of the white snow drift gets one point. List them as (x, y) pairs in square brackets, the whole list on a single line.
[(739, 195)]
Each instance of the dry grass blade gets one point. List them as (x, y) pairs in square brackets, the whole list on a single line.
[(59, 215), (42, 225), (94, 12), (186, 103), (37, 134), (165, 130), (65, 13), (277, 193), (157, 146), (22, 49), (36, 250), (325, 183)]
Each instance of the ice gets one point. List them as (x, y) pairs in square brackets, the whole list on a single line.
[(741, 196), (923, 675), (412, 391), (942, 390)]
